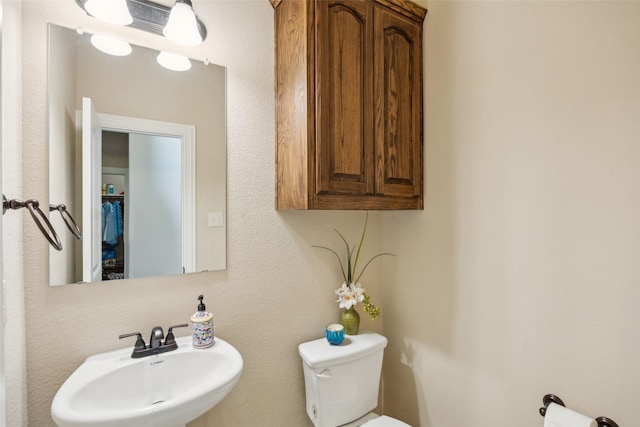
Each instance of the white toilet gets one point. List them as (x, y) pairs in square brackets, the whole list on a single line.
[(342, 381)]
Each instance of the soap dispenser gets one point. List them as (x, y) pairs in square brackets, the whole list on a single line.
[(202, 324)]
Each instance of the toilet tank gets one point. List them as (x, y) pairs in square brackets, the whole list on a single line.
[(342, 381)]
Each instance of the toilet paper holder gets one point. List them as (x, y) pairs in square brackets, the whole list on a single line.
[(552, 398)]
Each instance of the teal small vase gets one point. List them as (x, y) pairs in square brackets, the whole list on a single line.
[(350, 321)]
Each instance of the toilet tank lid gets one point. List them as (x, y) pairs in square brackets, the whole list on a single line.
[(320, 354)]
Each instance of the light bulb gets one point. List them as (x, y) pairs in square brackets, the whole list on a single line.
[(174, 62), (112, 11), (182, 26), (110, 45)]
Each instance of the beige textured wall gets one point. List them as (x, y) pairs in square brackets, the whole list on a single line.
[(518, 279), (521, 277), (277, 291)]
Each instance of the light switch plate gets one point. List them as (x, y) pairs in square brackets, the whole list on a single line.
[(216, 219)]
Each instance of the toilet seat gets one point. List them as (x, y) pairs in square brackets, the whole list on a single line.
[(385, 421), (374, 420)]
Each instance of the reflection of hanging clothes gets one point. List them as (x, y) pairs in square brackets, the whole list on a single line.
[(118, 216), (111, 222)]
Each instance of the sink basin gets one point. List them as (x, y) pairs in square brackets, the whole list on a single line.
[(165, 390)]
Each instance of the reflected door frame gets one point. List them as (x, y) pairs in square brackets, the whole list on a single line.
[(187, 134)]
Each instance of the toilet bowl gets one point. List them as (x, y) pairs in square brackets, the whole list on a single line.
[(342, 381)]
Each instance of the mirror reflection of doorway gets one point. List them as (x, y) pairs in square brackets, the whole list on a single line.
[(141, 205), (155, 217)]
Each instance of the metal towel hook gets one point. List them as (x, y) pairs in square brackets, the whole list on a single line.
[(68, 219), (40, 219), (552, 398)]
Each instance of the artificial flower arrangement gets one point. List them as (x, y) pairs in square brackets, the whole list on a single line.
[(351, 292)]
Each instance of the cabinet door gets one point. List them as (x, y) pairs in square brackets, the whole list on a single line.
[(344, 95), (398, 105)]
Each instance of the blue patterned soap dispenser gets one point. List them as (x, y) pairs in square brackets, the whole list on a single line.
[(202, 324)]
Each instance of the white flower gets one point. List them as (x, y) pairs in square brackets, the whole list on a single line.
[(350, 295)]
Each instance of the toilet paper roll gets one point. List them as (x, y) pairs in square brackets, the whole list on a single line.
[(559, 416)]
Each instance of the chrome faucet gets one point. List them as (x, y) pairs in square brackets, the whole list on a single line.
[(156, 346)]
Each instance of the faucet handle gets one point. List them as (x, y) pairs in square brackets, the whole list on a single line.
[(139, 342), (171, 339)]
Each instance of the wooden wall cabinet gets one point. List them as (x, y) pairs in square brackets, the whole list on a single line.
[(348, 104)]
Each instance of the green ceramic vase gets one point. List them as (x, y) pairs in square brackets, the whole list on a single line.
[(350, 321)]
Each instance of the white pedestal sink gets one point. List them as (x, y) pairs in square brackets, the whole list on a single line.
[(165, 390)]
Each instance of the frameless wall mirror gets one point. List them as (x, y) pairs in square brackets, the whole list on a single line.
[(137, 154)]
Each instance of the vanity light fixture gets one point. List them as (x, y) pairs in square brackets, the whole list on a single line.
[(182, 27), (112, 11), (174, 62), (150, 16), (178, 24), (110, 45)]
